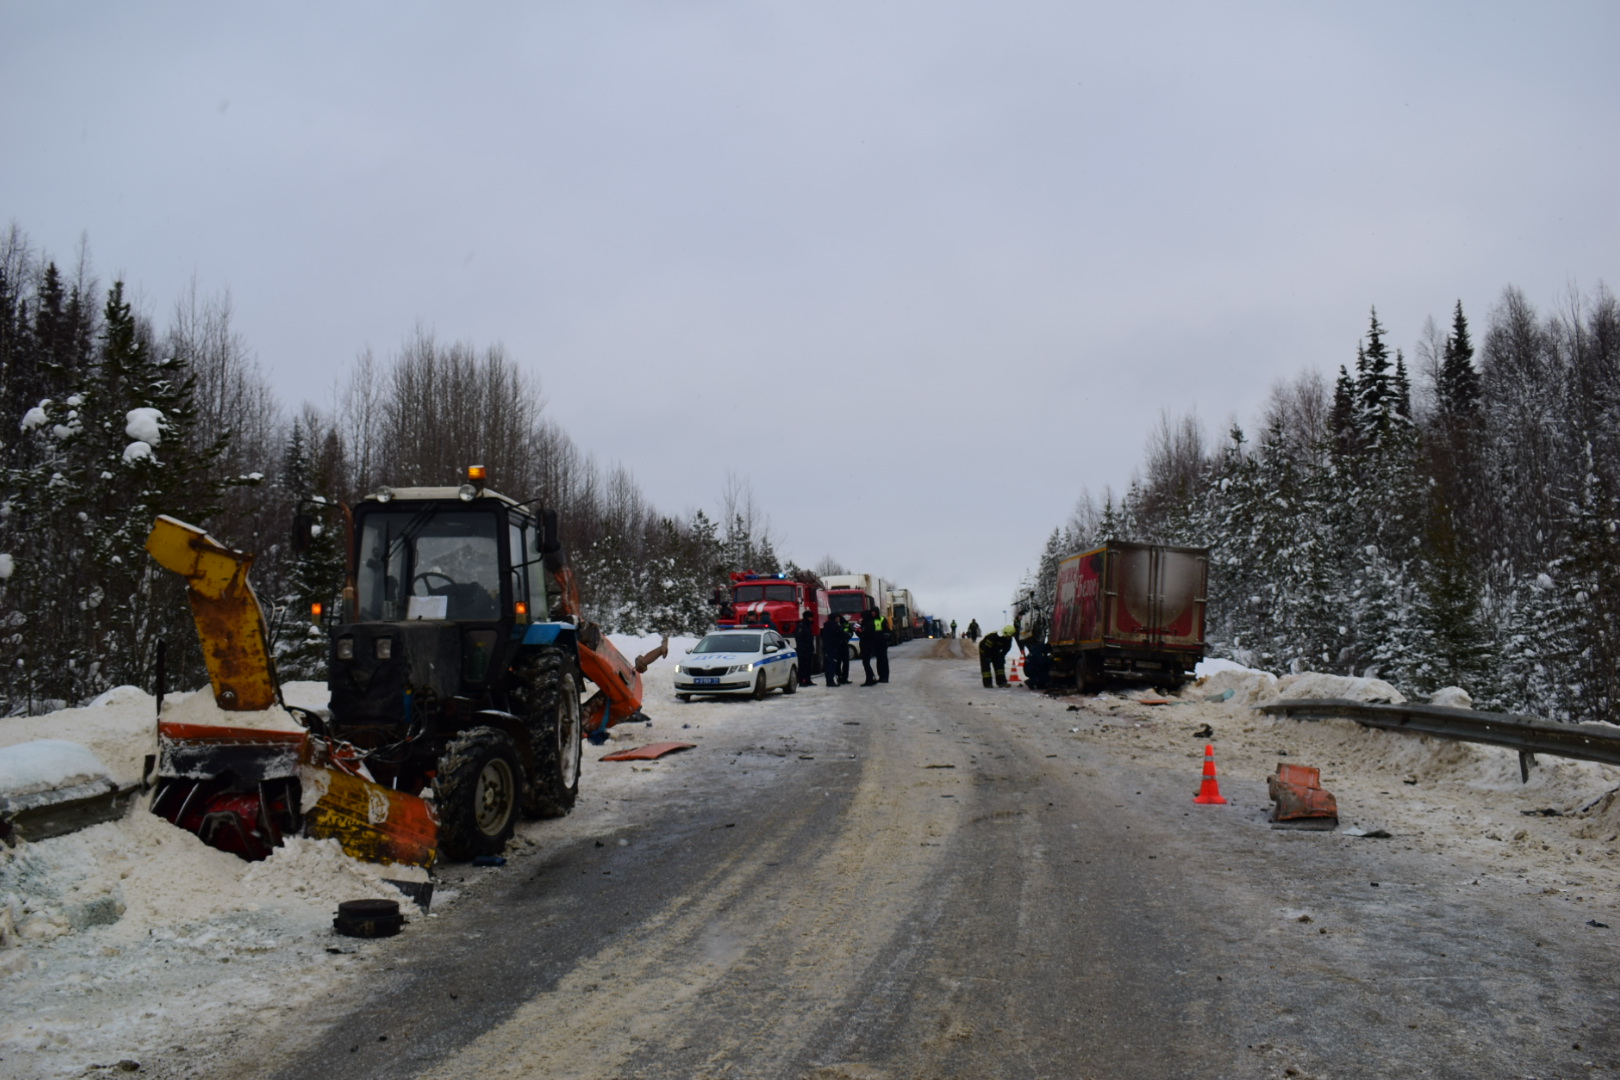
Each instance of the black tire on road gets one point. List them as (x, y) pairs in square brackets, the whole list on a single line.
[(792, 685), (547, 696), (761, 687), (478, 787), (683, 697)]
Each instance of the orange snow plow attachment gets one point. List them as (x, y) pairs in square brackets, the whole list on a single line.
[(619, 695), (244, 789)]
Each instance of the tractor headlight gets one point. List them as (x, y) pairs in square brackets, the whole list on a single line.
[(385, 648), (345, 648)]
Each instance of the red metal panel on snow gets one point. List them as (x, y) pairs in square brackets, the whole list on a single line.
[(649, 752)]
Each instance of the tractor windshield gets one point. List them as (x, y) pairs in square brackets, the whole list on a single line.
[(428, 563)]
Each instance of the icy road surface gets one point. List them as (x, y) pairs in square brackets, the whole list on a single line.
[(924, 879)]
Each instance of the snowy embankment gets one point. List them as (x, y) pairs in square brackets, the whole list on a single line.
[(109, 934), (1433, 791)]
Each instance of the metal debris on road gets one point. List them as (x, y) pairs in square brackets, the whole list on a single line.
[(649, 752), (1299, 801)]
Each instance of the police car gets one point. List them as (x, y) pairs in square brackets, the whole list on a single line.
[(738, 662)]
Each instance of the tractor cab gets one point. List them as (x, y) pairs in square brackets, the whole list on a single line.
[(444, 583)]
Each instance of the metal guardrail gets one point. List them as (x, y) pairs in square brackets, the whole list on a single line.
[(1522, 733)]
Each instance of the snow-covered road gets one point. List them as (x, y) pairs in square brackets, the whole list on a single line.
[(133, 942)]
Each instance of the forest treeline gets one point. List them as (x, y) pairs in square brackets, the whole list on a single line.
[(1453, 527), (114, 419)]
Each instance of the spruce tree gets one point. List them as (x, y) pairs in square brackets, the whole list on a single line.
[(1457, 389)]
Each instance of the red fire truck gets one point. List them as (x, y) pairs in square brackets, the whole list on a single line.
[(772, 600)]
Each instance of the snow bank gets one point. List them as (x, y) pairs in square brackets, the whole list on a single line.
[(1452, 697), (201, 708), (44, 764), (1315, 685), (1248, 685), (119, 730)]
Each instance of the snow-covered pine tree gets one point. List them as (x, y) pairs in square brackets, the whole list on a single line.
[(314, 575)]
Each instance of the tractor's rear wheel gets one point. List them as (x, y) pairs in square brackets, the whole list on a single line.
[(479, 782), (548, 694)]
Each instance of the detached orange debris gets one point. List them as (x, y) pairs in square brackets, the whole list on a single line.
[(1300, 802), (649, 752), (1154, 701)]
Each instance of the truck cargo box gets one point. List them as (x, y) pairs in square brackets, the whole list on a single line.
[(1139, 605)]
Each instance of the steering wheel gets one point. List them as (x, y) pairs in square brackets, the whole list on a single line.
[(424, 575)]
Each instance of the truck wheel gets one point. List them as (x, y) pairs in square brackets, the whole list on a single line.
[(792, 685), (761, 687), (477, 791), (548, 694)]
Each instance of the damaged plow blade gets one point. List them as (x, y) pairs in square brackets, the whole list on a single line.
[(244, 790), (371, 822), (1298, 801)]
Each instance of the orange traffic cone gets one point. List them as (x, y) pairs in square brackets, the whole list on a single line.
[(1209, 791), (1012, 673)]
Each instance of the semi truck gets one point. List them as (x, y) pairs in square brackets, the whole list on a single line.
[(852, 595), (903, 609), (1129, 611)]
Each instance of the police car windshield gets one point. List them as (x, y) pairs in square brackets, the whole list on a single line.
[(745, 643)]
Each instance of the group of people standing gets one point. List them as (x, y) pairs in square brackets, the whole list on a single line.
[(873, 633), (836, 635)]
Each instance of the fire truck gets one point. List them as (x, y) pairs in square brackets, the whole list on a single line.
[(772, 600)]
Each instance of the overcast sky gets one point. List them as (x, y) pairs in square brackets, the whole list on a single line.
[(921, 271)]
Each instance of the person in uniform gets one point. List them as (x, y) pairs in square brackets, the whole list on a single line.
[(804, 640), (880, 647), (874, 647), (953, 628), (834, 648), (993, 654), (972, 630)]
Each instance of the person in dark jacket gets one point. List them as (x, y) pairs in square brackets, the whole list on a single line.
[(874, 647), (834, 648), (993, 654), (973, 630), (804, 640)]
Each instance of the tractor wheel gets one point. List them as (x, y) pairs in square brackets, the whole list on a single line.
[(477, 789), (548, 700), (792, 685)]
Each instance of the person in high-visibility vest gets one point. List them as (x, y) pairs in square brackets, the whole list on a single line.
[(875, 646)]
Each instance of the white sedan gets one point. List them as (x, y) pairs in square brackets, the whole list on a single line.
[(738, 662)]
